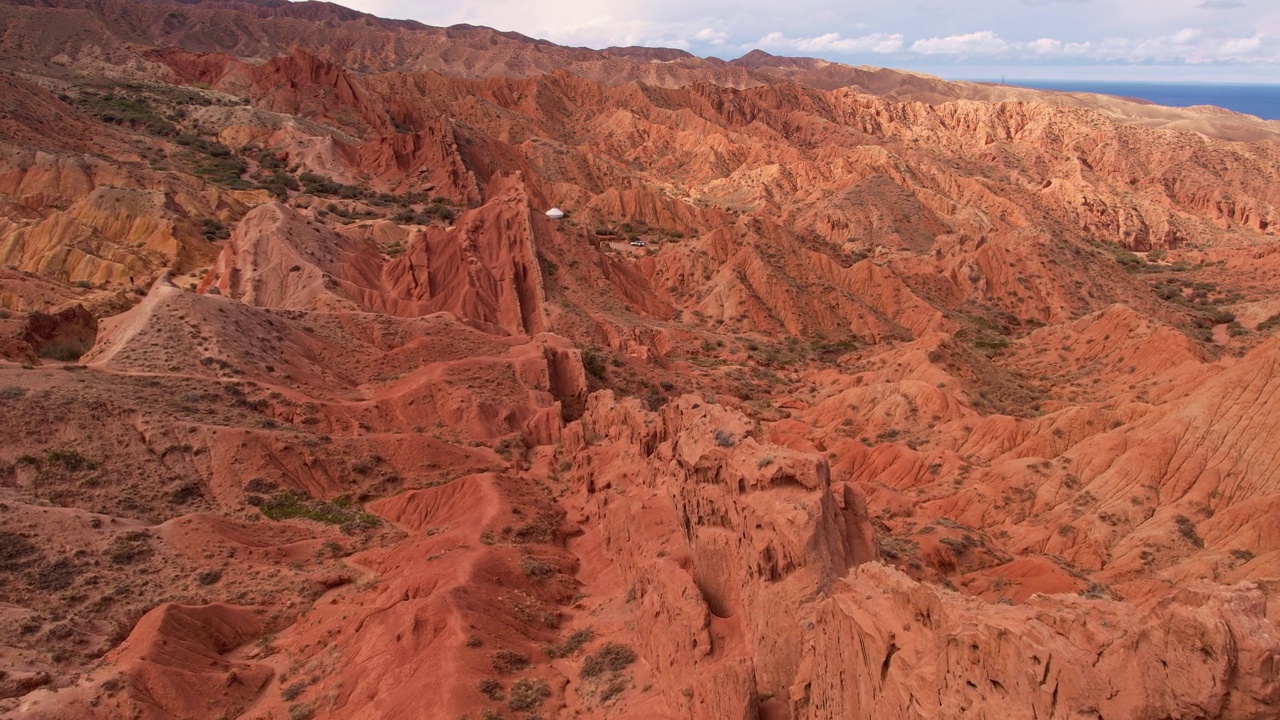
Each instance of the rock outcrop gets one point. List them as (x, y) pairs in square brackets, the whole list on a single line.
[(740, 540), (885, 646)]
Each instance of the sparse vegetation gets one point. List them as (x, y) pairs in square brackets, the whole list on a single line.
[(569, 645), (535, 568), (433, 212), (507, 446), (593, 363), (186, 492), (1098, 591), (491, 688), (506, 662), (70, 460), (15, 551), (125, 106), (130, 548), (293, 504), (616, 686), (1187, 529), (546, 526), (610, 657), (58, 575), (218, 163), (365, 465), (528, 694), (961, 544), (895, 548), (315, 184), (212, 229), (64, 350), (261, 485)]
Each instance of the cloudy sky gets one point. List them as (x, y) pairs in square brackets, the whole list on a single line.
[(1173, 40)]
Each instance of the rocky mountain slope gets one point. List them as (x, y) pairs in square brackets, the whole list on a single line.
[(838, 392)]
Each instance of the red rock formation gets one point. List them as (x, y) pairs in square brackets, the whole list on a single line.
[(735, 532), (835, 392), (882, 641), (483, 269)]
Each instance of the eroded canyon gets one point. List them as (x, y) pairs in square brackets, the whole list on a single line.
[(837, 392)]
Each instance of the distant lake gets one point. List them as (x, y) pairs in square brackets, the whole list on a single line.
[(1260, 100)]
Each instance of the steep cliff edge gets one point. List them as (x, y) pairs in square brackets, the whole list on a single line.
[(756, 597)]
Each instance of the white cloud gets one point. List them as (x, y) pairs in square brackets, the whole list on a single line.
[(1014, 34), (712, 36), (1045, 46), (1241, 46), (1186, 36), (832, 43), (985, 42)]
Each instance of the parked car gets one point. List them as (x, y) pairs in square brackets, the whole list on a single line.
[(637, 243)]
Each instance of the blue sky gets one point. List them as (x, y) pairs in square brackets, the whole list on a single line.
[(1158, 40)]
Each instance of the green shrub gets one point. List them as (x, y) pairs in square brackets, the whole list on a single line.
[(320, 185), (441, 211), (213, 229), (593, 364), (294, 504), (70, 460)]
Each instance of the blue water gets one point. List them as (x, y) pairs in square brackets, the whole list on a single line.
[(1260, 100)]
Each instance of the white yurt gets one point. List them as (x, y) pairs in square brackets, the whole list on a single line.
[(555, 213)]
